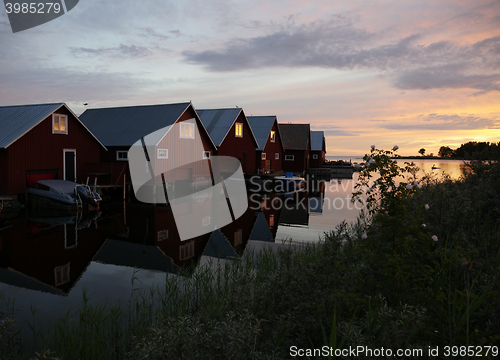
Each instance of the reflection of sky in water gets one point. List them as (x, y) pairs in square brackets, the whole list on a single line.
[(103, 283), (337, 206)]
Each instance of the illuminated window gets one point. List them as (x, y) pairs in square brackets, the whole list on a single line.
[(289, 157), (122, 155), (239, 130), (263, 156), (273, 136), (59, 124), (271, 220), (187, 131), (162, 153), (276, 156)]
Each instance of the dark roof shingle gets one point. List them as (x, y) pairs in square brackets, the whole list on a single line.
[(295, 136), (123, 126), (15, 121)]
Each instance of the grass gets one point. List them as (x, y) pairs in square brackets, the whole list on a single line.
[(395, 289)]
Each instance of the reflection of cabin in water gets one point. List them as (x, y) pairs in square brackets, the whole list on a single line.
[(229, 241), (122, 127), (46, 254), (295, 210), (231, 133), (40, 142), (269, 154), (152, 241)]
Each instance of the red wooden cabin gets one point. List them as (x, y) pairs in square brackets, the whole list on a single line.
[(231, 133), (297, 144), (318, 149), (44, 141), (269, 154)]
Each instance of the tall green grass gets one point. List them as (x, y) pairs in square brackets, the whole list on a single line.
[(396, 288)]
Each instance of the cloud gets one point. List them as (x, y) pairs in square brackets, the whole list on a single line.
[(336, 43), (130, 51), (444, 122), (70, 85), (442, 77), (152, 33), (342, 132)]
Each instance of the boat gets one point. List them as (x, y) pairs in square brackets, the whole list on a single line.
[(62, 196), (289, 183), (434, 167)]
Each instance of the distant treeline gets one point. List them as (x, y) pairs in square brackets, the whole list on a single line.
[(472, 150)]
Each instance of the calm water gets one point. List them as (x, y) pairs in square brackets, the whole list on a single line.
[(47, 262)]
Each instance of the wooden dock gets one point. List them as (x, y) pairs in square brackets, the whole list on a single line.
[(336, 172)]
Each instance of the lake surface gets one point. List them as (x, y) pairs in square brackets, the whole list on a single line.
[(48, 262)]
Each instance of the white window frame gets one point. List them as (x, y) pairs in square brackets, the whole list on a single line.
[(289, 157), (162, 235), (121, 152), (162, 154), (62, 274), (66, 238), (184, 125), (315, 156), (59, 117), (272, 136), (263, 156), (186, 251), (276, 156), (206, 155), (238, 126)]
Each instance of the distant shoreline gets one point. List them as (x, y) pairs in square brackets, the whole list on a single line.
[(428, 157)]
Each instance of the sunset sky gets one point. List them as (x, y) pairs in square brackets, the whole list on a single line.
[(412, 73)]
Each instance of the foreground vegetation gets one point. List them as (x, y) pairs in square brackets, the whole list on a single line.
[(419, 269)]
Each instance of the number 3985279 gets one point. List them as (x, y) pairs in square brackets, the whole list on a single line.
[(33, 8)]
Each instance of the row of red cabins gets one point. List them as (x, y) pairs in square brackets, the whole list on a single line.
[(49, 141)]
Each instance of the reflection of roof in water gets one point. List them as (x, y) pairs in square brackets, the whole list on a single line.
[(298, 216), (219, 247), (15, 278), (134, 255), (261, 230)]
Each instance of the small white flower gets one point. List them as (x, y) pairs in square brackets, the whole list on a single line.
[(409, 186), (423, 225), (434, 237), (373, 147), (364, 236), (395, 147), (427, 207)]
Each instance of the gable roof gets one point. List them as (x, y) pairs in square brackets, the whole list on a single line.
[(123, 126), (295, 136), (218, 122), (317, 141), (17, 120), (261, 127)]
